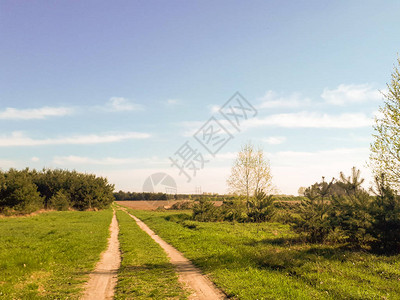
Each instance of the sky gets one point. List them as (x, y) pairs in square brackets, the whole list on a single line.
[(120, 88)]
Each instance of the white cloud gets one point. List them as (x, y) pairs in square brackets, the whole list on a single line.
[(351, 93), (35, 159), (275, 140), (171, 102), (214, 108), (272, 99), (312, 120), (112, 161), (116, 104), (34, 113), (19, 139)]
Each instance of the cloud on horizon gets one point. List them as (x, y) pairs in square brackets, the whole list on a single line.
[(18, 138), (34, 113)]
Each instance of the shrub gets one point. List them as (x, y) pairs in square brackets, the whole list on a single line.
[(261, 207), (60, 201), (386, 217), (351, 214), (182, 205), (234, 210), (204, 211), (313, 220), (19, 193)]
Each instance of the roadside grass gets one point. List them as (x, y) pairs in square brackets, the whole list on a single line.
[(145, 271), (269, 261), (49, 256)]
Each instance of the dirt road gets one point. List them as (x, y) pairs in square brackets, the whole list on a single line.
[(202, 287), (103, 279)]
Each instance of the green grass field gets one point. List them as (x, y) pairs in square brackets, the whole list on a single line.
[(49, 256), (145, 271), (267, 261)]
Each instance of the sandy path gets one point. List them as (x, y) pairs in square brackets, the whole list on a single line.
[(103, 279), (203, 288)]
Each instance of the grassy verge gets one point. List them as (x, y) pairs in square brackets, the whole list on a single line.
[(145, 271), (49, 256), (267, 261)]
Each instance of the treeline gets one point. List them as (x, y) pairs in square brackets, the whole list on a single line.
[(145, 196), (26, 191)]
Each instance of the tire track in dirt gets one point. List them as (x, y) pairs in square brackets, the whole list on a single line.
[(103, 279), (189, 275)]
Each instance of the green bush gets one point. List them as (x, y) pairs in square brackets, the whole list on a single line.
[(18, 193), (386, 217), (234, 210), (261, 207), (352, 216), (313, 219), (204, 210), (60, 201)]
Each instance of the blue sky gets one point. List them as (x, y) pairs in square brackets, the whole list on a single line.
[(116, 87)]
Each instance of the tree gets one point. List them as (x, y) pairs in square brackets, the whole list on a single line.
[(301, 190), (261, 207), (250, 172), (352, 183), (385, 150)]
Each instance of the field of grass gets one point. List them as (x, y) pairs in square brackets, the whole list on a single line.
[(268, 261), (49, 256), (145, 272)]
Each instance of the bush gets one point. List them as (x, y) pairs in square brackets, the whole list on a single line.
[(261, 207), (204, 211), (60, 201), (19, 193), (352, 216), (386, 217), (182, 205), (313, 220), (234, 210)]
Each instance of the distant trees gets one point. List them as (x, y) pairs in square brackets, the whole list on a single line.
[(27, 190), (250, 172), (385, 150)]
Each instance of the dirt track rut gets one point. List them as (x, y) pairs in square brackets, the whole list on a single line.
[(202, 287), (103, 279)]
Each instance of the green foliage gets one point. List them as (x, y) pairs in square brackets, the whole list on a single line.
[(313, 219), (182, 205), (386, 214), (204, 210), (27, 191), (385, 149), (234, 210), (351, 215), (19, 193), (261, 207), (59, 201)]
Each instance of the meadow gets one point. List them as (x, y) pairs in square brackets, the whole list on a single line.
[(270, 261), (49, 255)]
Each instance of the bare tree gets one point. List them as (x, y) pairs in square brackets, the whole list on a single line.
[(250, 172)]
